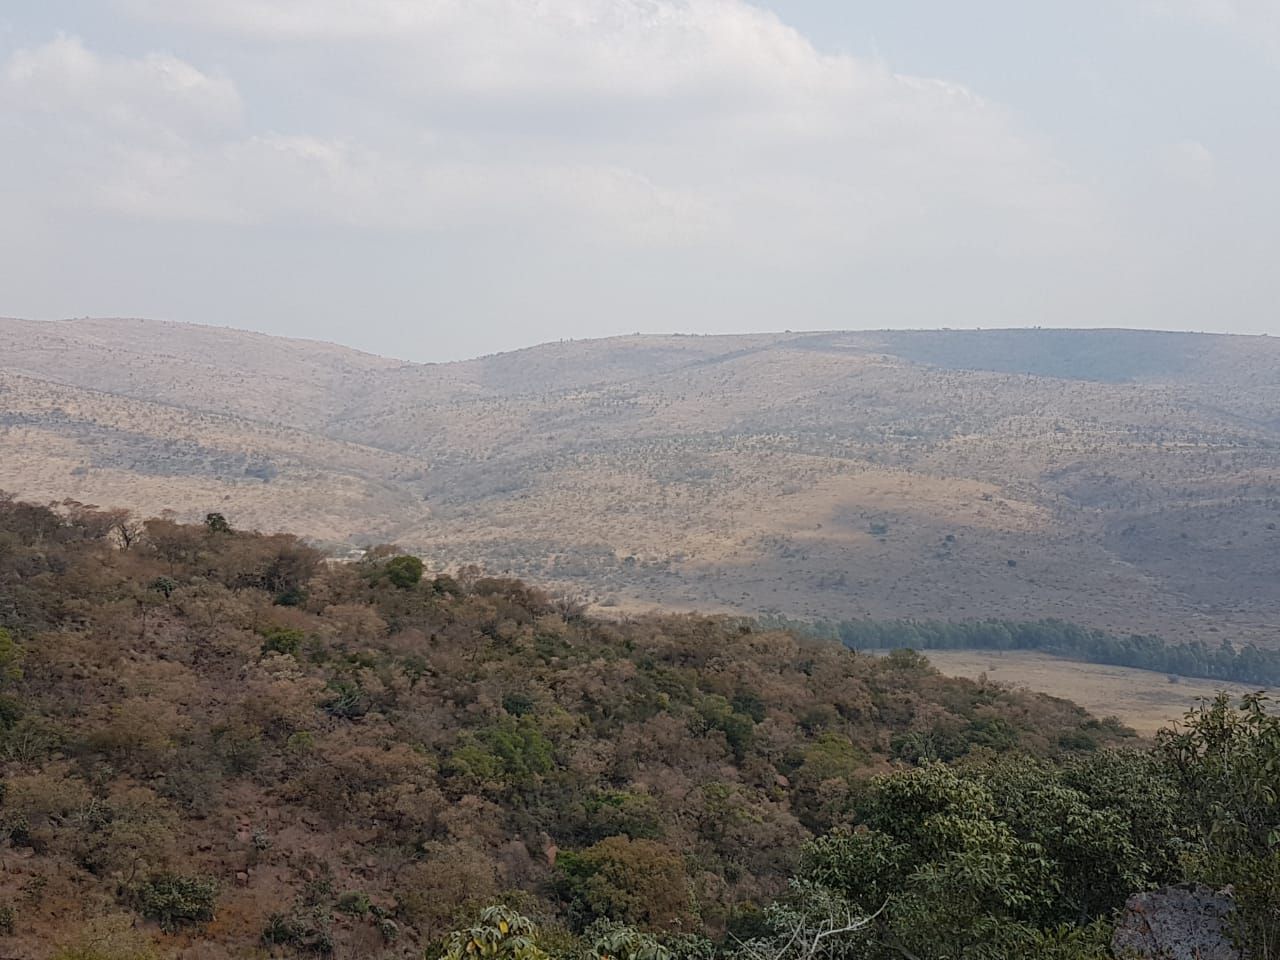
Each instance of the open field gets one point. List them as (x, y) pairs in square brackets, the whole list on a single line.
[(1142, 699), (1120, 479)]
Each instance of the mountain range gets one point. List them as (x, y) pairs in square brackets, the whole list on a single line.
[(1127, 480)]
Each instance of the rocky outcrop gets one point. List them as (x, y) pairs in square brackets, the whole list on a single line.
[(1186, 922)]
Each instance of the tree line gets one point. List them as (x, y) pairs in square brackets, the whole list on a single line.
[(1226, 661)]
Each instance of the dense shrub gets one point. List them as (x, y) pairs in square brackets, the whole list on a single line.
[(990, 859), (1226, 761), (174, 900), (304, 929), (639, 882), (284, 640), (509, 755), (403, 572), (499, 933)]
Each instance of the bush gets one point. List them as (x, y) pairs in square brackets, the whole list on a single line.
[(216, 523), (1077, 740), (347, 700), (453, 881), (716, 713), (301, 929), (620, 942), (995, 859), (404, 572), (174, 900), (28, 740), (500, 933), (619, 813), (517, 704), (164, 586), (11, 711), (512, 754), (1226, 760), (11, 656), (639, 882), (446, 586), (282, 640), (355, 903)]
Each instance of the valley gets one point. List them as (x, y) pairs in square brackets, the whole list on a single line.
[(1140, 699)]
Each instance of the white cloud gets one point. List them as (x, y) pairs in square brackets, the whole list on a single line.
[(651, 121), (152, 94), (643, 48), (157, 138)]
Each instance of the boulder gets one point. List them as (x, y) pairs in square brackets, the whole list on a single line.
[(1185, 922)]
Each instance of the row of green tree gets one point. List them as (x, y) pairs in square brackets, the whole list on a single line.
[(1226, 661)]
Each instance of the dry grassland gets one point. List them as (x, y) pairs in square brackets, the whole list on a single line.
[(1144, 700)]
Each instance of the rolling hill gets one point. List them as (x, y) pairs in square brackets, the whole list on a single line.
[(1122, 479)]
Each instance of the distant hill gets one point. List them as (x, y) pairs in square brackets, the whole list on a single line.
[(1127, 480)]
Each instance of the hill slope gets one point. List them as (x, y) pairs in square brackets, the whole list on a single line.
[(1123, 479), (350, 774)]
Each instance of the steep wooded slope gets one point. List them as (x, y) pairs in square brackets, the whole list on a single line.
[(219, 734)]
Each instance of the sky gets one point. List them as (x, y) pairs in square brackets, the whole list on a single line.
[(437, 179)]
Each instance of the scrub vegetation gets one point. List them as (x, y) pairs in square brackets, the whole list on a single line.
[(220, 741)]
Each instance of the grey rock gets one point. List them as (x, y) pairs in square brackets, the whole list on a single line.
[(1186, 922)]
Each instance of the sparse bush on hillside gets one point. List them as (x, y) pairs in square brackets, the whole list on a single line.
[(131, 833), (11, 656), (451, 878), (174, 900), (305, 928)]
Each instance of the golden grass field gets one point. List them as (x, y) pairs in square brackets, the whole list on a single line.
[(1144, 700)]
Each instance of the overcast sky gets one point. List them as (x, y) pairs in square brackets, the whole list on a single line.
[(433, 179)]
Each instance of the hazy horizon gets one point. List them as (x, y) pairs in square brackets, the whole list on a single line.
[(655, 334), (443, 180)]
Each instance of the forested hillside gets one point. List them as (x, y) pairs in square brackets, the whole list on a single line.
[(218, 744)]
